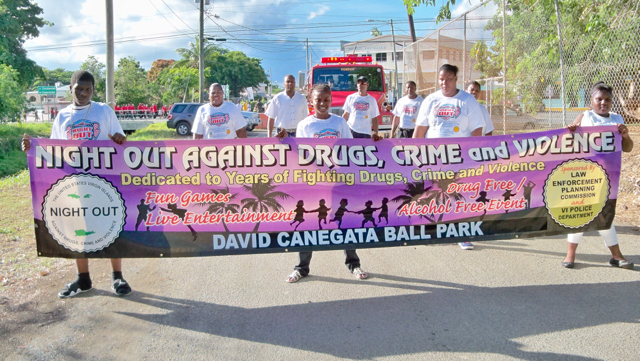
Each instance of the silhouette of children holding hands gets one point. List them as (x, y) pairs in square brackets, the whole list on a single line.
[(323, 211), (340, 212), (384, 211), (368, 213), (300, 211), (143, 210), (173, 208)]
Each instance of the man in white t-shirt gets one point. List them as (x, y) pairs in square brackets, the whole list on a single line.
[(87, 120), (406, 111), (449, 113), (361, 112), (287, 109), (218, 119), (473, 88)]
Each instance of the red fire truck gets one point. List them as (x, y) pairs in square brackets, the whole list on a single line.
[(341, 74)]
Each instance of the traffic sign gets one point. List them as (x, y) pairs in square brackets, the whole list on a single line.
[(47, 90)]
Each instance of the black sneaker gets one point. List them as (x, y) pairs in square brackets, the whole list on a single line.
[(120, 287), (72, 289)]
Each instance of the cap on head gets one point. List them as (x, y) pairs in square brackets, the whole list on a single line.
[(362, 79)]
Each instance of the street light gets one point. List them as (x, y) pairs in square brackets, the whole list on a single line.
[(214, 39)]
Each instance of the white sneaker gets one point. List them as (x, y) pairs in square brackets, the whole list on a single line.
[(466, 245)]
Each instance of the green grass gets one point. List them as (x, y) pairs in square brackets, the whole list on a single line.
[(157, 131), (12, 158)]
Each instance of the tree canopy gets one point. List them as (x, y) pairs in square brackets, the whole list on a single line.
[(19, 21)]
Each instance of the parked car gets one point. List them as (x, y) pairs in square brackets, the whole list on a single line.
[(181, 117), (516, 121)]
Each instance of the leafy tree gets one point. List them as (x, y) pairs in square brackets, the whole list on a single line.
[(443, 14), (157, 67), (12, 100), (375, 32), (235, 69), (51, 77), (130, 81), (176, 82), (19, 21), (97, 69), (600, 43)]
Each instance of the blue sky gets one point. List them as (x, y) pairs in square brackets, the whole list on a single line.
[(272, 30)]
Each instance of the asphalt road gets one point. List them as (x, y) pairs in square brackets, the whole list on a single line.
[(505, 300)]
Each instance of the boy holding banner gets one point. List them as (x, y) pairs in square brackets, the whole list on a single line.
[(323, 124), (68, 125)]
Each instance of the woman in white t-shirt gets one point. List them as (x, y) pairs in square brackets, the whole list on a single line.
[(320, 125), (218, 119), (449, 113), (600, 114)]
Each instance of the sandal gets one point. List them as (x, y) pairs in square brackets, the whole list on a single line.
[(359, 273), (295, 276)]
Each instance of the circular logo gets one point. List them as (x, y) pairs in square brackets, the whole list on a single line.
[(83, 212), (228, 131), (456, 129), (576, 192)]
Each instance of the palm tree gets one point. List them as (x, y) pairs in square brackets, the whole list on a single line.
[(440, 195), (222, 207), (191, 55), (264, 199), (413, 193)]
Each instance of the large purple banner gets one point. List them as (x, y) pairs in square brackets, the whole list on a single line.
[(190, 198)]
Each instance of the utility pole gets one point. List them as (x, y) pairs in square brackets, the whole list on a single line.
[(308, 60), (411, 26), (270, 84), (110, 95), (395, 59), (201, 55)]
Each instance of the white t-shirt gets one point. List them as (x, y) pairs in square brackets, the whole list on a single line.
[(407, 110), (218, 122), (591, 119), (288, 112), (94, 121), (361, 110), (330, 128), (449, 117), (488, 123)]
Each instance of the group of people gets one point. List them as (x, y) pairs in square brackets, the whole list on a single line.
[(142, 111), (449, 112)]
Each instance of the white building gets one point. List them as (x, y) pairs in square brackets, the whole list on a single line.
[(43, 103), (380, 48)]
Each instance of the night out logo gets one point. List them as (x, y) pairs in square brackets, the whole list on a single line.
[(83, 130), (410, 110), (218, 119), (362, 106), (83, 212), (447, 112), (327, 134)]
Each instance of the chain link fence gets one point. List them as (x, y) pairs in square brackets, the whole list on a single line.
[(550, 65)]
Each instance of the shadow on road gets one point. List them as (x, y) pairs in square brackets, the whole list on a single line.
[(443, 317)]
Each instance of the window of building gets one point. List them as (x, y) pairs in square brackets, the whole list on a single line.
[(428, 54), (381, 57), (399, 56)]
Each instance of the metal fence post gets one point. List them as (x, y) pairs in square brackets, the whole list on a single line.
[(564, 105)]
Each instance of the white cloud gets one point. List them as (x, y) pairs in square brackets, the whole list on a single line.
[(321, 10), (465, 5)]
